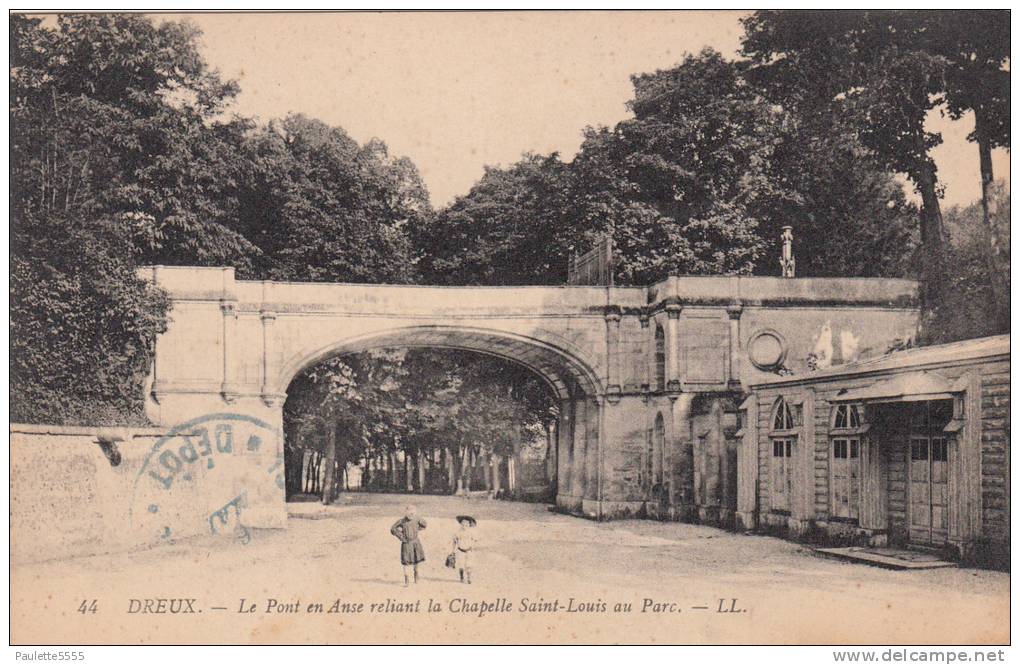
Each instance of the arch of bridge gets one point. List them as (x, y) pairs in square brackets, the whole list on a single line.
[(564, 369)]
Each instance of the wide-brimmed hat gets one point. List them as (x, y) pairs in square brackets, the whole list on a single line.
[(472, 521)]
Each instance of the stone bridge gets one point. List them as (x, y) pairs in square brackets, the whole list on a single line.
[(648, 378)]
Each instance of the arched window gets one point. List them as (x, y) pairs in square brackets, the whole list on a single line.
[(846, 449), (847, 416), (660, 358), (781, 467), (782, 417)]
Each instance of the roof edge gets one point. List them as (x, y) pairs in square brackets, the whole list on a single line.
[(913, 360)]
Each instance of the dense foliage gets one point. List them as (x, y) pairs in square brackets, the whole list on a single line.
[(879, 74), (700, 180), (509, 229), (320, 207), (975, 307), (124, 153), (82, 324), (105, 113)]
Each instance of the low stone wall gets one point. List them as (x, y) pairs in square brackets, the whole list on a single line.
[(66, 496), (72, 496)]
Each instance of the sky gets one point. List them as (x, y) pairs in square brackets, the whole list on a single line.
[(458, 91)]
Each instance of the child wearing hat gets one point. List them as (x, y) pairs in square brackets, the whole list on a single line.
[(411, 551), (464, 542)]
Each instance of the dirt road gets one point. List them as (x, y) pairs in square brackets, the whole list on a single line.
[(540, 577)]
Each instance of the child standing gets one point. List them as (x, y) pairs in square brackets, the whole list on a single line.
[(411, 551), (464, 542)]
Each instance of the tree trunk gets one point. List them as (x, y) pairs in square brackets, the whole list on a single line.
[(394, 469), (486, 469), (451, 465), (518, 465), (933, 256), (409, 471), (461, 469), (472, 462), (422, 457), (293, 468), (998, 271), (329, 482), (497, 476), (550, 451)]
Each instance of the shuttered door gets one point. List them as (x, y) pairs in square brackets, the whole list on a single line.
[(939, 491), (929, 490), (846, 478), (920, 491), (840, 479), (782, 478), (854, 488)]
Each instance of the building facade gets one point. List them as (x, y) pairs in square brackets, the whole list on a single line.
[(906, 449)]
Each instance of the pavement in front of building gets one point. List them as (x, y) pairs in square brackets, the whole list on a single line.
[(889, 557)]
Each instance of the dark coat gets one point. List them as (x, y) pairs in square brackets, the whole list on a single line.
[(406, 531)]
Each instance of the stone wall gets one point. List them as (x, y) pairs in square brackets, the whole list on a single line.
[(67, 498), (71, 496)]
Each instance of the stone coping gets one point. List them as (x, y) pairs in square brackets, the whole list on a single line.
[(218, 283)]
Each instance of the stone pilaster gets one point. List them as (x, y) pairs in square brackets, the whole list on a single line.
[(564, 454), (270, 360), (578, 473), (613, 353), (733, 367), (648, 352), (229, 388), (673, 347), (748, 465)]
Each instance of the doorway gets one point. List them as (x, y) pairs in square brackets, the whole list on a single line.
[(929, 490), (928, 474)]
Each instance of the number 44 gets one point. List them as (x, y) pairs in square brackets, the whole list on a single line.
[(88, 606)]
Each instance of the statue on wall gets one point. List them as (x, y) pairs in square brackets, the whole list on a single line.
[(786, 260)]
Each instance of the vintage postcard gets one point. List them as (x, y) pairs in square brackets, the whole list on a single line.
[(511, 327)]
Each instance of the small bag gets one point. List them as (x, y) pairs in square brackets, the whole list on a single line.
[(451, 560)]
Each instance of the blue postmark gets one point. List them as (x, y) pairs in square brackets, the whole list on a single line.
[(192, 473)]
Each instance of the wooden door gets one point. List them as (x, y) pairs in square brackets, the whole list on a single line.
[(846, 478), (782, 476), (920, 491), (854, 462), (929, 490), (939, 490)]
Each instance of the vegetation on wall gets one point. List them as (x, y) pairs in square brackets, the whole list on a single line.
[(123, 154)]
